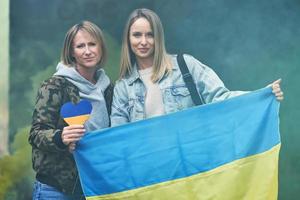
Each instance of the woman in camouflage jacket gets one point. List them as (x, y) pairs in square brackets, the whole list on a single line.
[(79, 76)]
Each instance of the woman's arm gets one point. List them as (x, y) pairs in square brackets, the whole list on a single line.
[(44, 133), (119, 110)]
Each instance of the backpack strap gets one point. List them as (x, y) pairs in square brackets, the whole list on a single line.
[(189, 82)]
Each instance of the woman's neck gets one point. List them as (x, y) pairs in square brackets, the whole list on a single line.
[(88, 74), (145, 63)]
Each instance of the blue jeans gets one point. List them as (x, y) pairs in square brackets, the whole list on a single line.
[(43, 191)]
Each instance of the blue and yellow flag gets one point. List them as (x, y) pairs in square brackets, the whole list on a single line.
[(222, 151), (75, 114)]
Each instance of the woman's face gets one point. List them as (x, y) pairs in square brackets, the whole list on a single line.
[(86, 50), (141, 39)]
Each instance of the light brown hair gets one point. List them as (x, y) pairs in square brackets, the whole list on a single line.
[(91, 28), (162, 61)]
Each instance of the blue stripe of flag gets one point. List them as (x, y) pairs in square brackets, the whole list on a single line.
[(69, 109)]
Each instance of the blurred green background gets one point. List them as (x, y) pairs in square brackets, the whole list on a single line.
[(248, 43)]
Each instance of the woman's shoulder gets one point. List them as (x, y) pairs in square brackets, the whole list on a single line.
[(189, 60), (57, 82), (122, 82), (54, 81), (58, 85), (122, 87), (56, 88), (187, 57)]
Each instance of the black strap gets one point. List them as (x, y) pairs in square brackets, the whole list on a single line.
[(189, 82)]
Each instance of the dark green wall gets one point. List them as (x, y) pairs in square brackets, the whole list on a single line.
[(248, 43)]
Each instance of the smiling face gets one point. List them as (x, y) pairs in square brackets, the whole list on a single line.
[(86, 51), (141, 40)]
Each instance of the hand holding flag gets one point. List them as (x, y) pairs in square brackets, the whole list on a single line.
[(75, 115)]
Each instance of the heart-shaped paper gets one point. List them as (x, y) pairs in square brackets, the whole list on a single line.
[(76, 113)]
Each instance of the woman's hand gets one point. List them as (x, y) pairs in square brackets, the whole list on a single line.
[(277, 90), (72, 147), (71, 134)]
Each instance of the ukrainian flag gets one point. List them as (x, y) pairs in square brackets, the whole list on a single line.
[(224, 151)]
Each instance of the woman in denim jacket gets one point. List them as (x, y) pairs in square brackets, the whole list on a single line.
[(151, 83)]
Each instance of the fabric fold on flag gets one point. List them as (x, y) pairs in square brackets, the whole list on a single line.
[(224, 150)]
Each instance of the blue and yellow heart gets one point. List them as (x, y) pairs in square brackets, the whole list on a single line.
[(75, 114)]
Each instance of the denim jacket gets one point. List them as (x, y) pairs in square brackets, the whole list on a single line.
[(129, 93)]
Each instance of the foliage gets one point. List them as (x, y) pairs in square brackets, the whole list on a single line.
[(113, 62), (15, 169), (36, 81), (29, 61)]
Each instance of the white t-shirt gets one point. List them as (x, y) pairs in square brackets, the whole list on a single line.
[(154, 105)]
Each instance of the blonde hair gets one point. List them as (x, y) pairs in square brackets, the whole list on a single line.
[(161, 61), (91, 28)]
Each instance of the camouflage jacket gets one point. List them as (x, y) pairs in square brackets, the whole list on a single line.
[(51, 160)]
